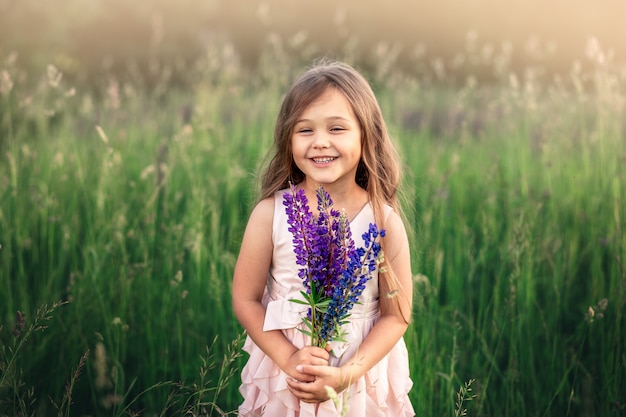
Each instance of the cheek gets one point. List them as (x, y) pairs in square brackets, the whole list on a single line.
[(291, 145), (294, 149), (358, 149)]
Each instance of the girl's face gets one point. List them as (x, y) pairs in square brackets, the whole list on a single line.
[(326, 141)]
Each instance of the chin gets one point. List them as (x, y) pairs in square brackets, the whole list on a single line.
[(322, 180)]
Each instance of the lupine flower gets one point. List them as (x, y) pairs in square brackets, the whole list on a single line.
[(334, 273)]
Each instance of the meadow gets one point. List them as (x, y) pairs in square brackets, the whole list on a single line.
[(122, 207)]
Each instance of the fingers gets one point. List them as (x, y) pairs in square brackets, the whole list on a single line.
[(315, 361), (313, 391), (307, 391), (304, 377), (313, 370), (317, 352), (308, 355), (312, 360)]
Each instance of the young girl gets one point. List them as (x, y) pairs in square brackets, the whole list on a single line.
[(330, 132)]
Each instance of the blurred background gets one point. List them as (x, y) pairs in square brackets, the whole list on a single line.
[(85, 39), (131, 137)]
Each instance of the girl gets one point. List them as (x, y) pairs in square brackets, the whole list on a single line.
[(330, 132)]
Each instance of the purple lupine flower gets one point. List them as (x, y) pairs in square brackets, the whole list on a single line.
[(330, 233), (300, 222), (333, 271), (357, 271)]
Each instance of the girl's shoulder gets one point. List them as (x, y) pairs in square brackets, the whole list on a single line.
[(263, 213), (265, 208), (394, 223)]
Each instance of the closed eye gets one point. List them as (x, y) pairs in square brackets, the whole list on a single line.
[(337, 129)]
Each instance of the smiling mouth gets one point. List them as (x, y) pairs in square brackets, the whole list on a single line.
[(324, 160)]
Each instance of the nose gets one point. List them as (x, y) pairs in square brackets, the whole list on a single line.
[(321, 140)]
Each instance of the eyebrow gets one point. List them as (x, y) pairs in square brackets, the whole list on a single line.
[(328, 118)]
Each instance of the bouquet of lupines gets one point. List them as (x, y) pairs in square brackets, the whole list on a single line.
[(333, 271)]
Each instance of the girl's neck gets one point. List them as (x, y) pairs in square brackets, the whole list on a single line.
[(350, 197)]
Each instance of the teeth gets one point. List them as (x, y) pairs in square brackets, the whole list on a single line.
[(323, 160)]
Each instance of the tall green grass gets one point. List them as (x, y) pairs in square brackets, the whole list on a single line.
[(128, 206)]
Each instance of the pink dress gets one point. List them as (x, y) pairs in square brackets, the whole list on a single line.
[(382, 391)]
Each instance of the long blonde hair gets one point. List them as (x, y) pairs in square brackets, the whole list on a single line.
[(378, 172)]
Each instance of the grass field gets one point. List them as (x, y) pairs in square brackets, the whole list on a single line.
[(122, 210)]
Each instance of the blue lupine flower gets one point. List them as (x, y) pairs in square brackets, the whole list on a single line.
[(333, 271)]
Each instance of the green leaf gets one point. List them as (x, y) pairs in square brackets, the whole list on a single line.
[(306, 332)]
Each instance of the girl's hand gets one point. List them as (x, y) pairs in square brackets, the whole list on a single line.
[(314, 391), (308, 355)]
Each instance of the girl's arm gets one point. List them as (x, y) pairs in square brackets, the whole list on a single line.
[(385, 333), (249, 282)]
